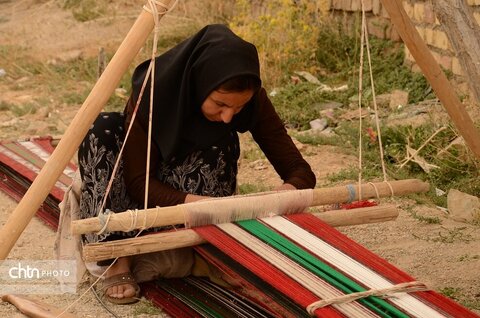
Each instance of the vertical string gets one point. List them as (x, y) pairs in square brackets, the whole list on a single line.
[(377, 120), (360, 96), (154, 12)]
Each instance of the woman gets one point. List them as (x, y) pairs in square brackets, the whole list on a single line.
[(206, 90)]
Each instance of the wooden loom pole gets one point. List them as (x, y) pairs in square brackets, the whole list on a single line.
[(184, 238), (175, 214), (101, 92), (434, 74)]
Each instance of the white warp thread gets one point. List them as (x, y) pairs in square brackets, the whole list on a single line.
[(237, 208)]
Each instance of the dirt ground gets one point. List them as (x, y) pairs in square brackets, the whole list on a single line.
[(444, 255)]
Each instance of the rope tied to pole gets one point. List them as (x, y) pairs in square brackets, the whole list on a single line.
[(383, 292)]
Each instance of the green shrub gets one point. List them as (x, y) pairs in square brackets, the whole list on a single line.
[(457, 168), (338, 52)]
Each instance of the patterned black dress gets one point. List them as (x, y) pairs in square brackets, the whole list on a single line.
[(209, 172)]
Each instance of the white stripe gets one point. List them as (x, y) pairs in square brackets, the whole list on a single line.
[(42, 153), (349, 265), (27, 164), (304, 277)]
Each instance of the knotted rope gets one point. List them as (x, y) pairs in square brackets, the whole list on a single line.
[(383, 292)]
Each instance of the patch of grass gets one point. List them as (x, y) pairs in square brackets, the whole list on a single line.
[(338, 51), (451, 292), (337, 55), (456, 168), (247, 188), (169, 40), (253, 153), (467, 257), (23, 109), (471, 303), (426, 219), (350, 173), (457, 294), (318, 139), (86, 10), (294, 104), (449, 236)]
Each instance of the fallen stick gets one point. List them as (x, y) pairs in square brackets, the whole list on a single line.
[(35, 308), (184, 238), (155, 217), (410, 157)]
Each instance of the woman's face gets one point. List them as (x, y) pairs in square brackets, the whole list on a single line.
[(221, 106)]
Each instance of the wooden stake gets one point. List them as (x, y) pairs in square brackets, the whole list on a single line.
[(433, 73), (101, 92), (175, 214), (185, 238)]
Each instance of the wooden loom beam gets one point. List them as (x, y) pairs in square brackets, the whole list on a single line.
[(172, 215), (433, 73), (185, 238), (98, 97)]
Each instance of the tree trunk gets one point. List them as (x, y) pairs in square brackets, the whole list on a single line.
[(462, 30)]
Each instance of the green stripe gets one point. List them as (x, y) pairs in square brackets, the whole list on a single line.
[(319, 268)]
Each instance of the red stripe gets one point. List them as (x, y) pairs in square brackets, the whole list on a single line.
[(46, 144), (16, 191), (29, 174), (263, 269), (333, 237), (25, 153)]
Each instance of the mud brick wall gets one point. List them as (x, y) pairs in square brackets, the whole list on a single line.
[(422, 15)]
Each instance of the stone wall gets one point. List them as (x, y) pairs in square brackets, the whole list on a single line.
[(422, 15)]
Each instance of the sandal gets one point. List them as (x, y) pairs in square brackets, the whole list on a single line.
[(121, 279)]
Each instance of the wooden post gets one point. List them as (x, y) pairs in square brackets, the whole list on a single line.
[(101, 92), (434, 74), (184, 238), (172, 215)]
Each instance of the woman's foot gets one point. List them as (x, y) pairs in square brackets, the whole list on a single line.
[(119, 284)]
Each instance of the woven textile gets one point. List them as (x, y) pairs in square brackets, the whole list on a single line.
[(306, 260)]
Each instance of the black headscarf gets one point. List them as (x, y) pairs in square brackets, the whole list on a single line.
[(184, 77)]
